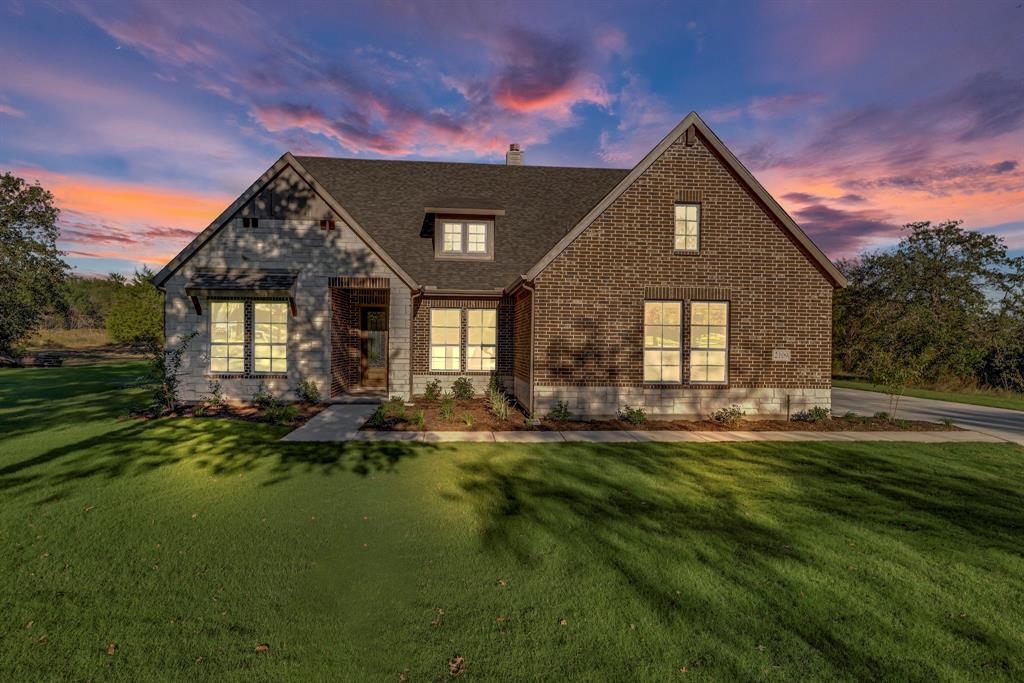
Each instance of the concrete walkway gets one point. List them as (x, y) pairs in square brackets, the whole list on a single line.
[(342, 422), (1006, 424)]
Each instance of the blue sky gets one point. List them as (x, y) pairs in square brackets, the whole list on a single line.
[(146, 119)]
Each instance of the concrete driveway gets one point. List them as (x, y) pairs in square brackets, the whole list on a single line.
[(1005, 424)]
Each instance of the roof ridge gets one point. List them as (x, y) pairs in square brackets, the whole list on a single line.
[(462, 163)]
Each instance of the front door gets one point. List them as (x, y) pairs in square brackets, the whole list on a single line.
[(373, 347)]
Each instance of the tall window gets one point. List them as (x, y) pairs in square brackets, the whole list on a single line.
[(452, 236), (227, 336), (445, 324), (709, 341), (476, 238), (662, 328), (687, 227), (481, 333), (270, 336)]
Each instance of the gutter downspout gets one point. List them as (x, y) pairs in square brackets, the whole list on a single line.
[(532, 289), (413, 296)]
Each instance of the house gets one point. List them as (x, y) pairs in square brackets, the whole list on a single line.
[(678, 285)]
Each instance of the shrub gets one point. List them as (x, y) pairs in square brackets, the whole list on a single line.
[(463, 388), (498, 404), (815, 414), (137, 313), (162, 378), (636, 416), (492, 383), (948, 422), (308, 392), (216, 395), (395, 407), (728, 416), (279, 414), (468, 419), (262, 398), (199, 410), (881, 415), (447, 410), (560, 413), (420, 420), (850, 416), (432, 392)]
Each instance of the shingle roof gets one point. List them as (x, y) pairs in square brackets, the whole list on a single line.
[(276, 282), (388, 198)]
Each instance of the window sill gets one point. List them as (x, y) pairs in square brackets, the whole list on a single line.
[(686, 252), (245, 375)]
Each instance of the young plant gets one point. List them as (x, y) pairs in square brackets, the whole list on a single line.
[(163, 374), (308, 392), (468, 419), (636, 416), (262, 398), (447, 410), (279, 414), (379, 416), (728, 416), (499, 404), (560, 413), (815, 414), (215, 397), (395, 407), (947, 422), (462, 388), (420, 420), (432, 392)]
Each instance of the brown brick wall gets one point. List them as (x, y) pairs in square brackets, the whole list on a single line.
[(521, 335), (421, 332), (589, 301)]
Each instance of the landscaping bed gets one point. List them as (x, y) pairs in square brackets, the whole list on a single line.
[(474, 415)]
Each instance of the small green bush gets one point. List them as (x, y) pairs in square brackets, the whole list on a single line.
[(498, 404), (560, 413), (462, 388), (728, 416), (815, 414), (948, 422), (199, 410), (468, 419), (432, 392), (492, 383), (636, 416), (420, 420), (379, 416), (309, 392), (447, 410), (262, 398), (215, 397), (881, 415), (850, 416), (278, 414), (395, 407)]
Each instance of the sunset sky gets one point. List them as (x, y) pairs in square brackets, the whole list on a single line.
[(147, 119)]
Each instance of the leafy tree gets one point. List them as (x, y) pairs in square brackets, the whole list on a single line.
[(136, 316), (944, 295), (32, 271)]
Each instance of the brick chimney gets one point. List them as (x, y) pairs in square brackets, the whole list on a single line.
[(514, 156)]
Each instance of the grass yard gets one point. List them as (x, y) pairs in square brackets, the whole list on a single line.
[(188, 543), (991, 398)]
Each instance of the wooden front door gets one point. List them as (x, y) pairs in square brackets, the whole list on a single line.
[(373, 347)]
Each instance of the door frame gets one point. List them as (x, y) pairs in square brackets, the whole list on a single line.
[(363, 338)]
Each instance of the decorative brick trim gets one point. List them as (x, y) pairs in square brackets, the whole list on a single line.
[(359, 282), (686, 293), (688, 196)]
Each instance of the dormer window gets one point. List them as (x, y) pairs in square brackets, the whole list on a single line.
[(464, 238)]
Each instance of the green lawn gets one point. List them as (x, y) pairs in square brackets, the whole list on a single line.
[(991, 399), (189, 542)]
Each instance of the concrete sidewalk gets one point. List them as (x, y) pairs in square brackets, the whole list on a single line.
[(342, 422)]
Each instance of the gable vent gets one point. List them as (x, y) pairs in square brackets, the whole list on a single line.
[(250, 222)]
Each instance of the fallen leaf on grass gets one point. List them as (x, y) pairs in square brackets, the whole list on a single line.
[(502, 620), (435, 622), (502, 582), (89, 507), (456, 667), (402, 678), (43, 638), (262, 647), (195, 515), (563, 622), (632, 627), (29, 624), (111, 649), (684, 669)]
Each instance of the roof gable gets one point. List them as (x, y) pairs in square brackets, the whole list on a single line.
[(816, 256)]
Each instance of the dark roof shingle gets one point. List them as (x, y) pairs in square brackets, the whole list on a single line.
[(387, 198)]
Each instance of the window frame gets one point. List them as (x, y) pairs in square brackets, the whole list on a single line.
[(431, 344), (210, 343), (441, 254), (691, 348), (481, 345), (675, 224), (252, 303), (645, 348)]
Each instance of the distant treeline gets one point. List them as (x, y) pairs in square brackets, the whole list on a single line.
[(129, 308), (945, 307)]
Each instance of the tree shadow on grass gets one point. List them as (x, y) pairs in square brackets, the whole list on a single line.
[(722, 541), (222, 447)]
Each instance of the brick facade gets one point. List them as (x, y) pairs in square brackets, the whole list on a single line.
[(588, 307), (522, 333)]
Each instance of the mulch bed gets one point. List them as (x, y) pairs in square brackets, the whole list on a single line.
[(482, 420)]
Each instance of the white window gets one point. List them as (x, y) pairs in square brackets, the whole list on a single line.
[(687, 227), (452, 236), (662, 346), (227, 336), (476, 238), (270, 336), (709, 341), (445, 326), (481, 335)]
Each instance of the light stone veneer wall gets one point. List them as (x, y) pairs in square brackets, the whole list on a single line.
[(316, 255), (480, 382), (679, 401)]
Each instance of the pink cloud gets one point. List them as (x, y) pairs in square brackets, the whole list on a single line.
[(8, 110)]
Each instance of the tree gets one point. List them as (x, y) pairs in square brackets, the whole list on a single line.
[(136, 316), (32, 272), (937, 296)]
